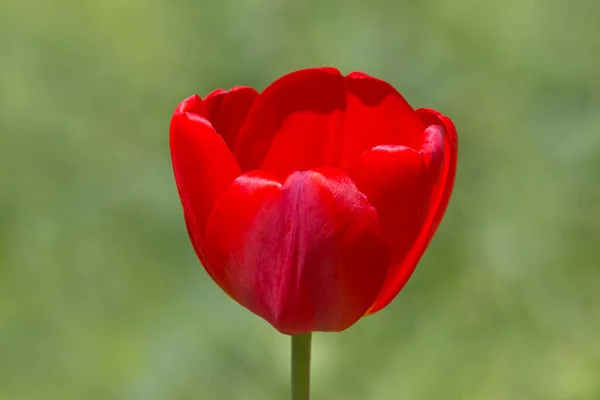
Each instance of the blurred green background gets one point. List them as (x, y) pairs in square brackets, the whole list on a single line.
[(102, 297)]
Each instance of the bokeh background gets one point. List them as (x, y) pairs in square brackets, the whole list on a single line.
[(102, 297)]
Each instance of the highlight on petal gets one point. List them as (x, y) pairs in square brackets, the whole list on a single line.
[(227, 111), (439, 154), (317, 117), (203, 166), (308, 255)]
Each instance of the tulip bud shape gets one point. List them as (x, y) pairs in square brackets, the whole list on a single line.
[(311, 203)]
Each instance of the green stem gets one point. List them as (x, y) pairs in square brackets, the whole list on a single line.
[(301, 366)]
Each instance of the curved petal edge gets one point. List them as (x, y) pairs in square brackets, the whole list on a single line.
[(440, 151)]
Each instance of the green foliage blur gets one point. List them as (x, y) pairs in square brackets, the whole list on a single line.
[(102, 297)]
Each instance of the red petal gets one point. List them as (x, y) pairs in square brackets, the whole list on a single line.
[(377, 114), (227, 111), (306, 256), (297, 110), (231, 217), (440, 152), (395, 181), (317, 117), (192, 105), (202, 163)]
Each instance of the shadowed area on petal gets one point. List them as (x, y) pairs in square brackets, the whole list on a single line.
[(317, 117), (377, 115), (307, 256), (227, 111)]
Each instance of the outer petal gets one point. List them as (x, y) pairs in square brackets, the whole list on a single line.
[(203, 166), (317, 117), (396, 182), (307, 255), (440, 152), (227, 111)]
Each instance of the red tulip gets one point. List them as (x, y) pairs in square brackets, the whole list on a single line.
[(311, 203)]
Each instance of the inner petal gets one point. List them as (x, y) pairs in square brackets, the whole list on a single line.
[(318, 117), (227, 111)]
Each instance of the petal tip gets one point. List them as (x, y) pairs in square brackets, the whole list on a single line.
[(192, 103)]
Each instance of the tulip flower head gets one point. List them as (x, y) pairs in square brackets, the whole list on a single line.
[(311, 203)]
